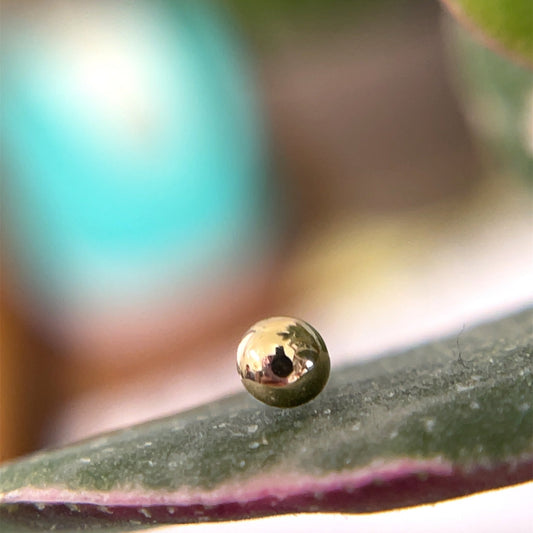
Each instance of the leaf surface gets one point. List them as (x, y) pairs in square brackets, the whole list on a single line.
[(432, 423)]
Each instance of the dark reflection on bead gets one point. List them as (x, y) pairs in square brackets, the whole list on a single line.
[(283, 361), (281, 365)]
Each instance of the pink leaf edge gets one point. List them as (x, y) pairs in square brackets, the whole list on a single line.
[(380, 486)]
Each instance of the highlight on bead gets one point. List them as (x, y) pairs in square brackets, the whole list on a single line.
[(283, 361)]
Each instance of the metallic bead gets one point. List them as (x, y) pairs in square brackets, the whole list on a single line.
[(283, 361)]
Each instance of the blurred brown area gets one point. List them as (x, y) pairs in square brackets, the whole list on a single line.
[(30, 383), (365, 119), (362, 120)]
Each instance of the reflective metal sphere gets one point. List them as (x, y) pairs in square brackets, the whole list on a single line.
[(283, 361)]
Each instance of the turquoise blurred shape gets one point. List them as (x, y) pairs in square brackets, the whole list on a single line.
[(132, 148)]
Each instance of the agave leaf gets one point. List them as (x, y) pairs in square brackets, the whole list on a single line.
[(505, 25), (422, 426)]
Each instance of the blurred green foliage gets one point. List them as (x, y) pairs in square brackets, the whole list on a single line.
[(508, 24), (266, 20), (497, 96)]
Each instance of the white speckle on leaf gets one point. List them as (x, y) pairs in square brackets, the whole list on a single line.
[(327, 411), (104, 509), (474, 405), (39, 506), (171, 510), (393, 434), (429, 424), (462, 388), (523, 408), (252, 428), (150, 462), (85, 460), (98, 443), (356, 426), (253, 445), (72, 507), (242, 463), (176, 458), (147, 444), (144, 511)]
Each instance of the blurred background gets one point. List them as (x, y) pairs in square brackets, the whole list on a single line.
[(173, 172)]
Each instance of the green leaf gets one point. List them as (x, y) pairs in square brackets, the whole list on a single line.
[(442, 420), (497, 97), (506, 25)]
